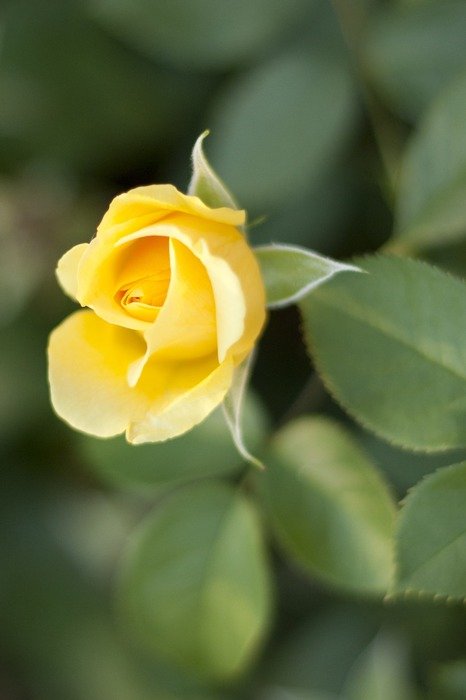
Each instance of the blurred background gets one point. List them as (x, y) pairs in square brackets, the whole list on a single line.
[(310, 105)]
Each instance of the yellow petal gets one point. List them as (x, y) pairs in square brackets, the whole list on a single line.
[(234, 274), (183, 413), (142, 278), (185, 328), (143, 206), (108, 275), (67, 269), (88, 362)]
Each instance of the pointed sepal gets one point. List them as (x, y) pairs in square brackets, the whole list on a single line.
[(205, 183), (233, 409), (290, 272)]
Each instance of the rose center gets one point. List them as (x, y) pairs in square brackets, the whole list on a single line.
[(142, 298), (143, 277)]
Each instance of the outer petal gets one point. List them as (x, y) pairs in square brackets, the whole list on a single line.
[(88, 361), (185, 412), (67, 269), (131, 210)]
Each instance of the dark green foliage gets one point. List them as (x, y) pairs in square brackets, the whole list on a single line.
[(171, 571)]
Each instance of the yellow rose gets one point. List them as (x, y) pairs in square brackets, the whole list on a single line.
[(176, 302)]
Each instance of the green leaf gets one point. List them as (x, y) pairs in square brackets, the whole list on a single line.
[(278, 693), (291, 115), (204, 34), (205, 183), (290, 272), (329, 506), (381, 672), (318, 653), (390, 347), (404, 468), (450, 681), (233, 405), (206, 450), (431, 207), (317, 218), (109, 111), (412, 52), (431, 537), (55, 618), (194, 582)]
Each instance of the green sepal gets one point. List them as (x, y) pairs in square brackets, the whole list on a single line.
[(205, 183), (290, 272)]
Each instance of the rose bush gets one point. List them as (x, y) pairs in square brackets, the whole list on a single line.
[(175, 302)]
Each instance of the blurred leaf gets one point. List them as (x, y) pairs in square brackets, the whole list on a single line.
[(381, 672), (206, 450), (23, 398), (205, 183), (405, 468), (390, 347), (22, 259), (317, 218), (431, 537), (195, 581), (107, 107), (290, 273), (451, 257), (56, 628), (319, 654), (330, 508), (91, 529), (450, 682), (278, 693), (205, 34), (411, 52), (290, 115), (431, 207)]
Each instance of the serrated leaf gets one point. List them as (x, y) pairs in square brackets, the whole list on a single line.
[(194, 584), (431, 207), (329, 506), (410, 52), (390, 347), (205, 183), (291, 272), (431, 536), (206, 450), (233, 405)]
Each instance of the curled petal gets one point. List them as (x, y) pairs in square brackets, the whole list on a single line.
[(186, 411), (88, 366), (234, 274), (88, 361), (185, 328), (67, 269), (107, 272), (143, 206)]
